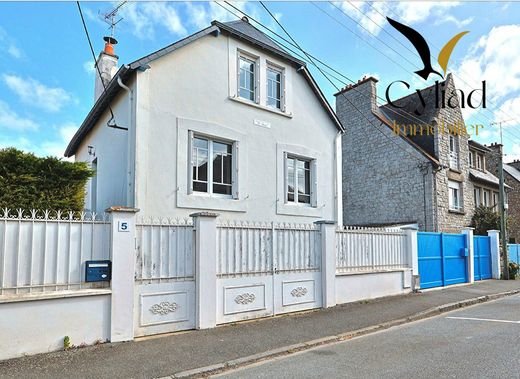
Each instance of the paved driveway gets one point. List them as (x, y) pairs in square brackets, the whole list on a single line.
[(480, 342)]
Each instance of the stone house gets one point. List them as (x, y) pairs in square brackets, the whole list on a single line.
[(512, 181), (223, 120), (408, 162)]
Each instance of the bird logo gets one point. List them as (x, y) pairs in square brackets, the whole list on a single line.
[(423, 49)]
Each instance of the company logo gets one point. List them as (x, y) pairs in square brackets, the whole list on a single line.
[(423, 49), (442, 98)]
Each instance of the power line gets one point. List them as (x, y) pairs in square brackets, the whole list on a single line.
[(112, 121), (350, 30), (338, 89)]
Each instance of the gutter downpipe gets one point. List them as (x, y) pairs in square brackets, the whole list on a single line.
[(339, 178), (130, 164)]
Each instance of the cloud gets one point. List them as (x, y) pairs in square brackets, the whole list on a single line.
[(200, 15), (372, 16), (55, 147), (513, 153), (89, 68), (34, 93), (488, 60), (9, 44), (457, 22), (144, 17), (9, 119)]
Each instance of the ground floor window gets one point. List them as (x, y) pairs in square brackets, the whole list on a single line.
[(212, 166), (298, 180), (455, 196)]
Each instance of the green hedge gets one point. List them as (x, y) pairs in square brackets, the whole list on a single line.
[(29, 182)]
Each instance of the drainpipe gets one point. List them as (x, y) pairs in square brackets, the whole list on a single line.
[(130, 164), (338, 191)]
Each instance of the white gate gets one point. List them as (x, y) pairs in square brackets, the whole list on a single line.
[(266, 269), (164, 277)]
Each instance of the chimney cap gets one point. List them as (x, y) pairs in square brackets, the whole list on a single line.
[(110, 40), (245, 19)]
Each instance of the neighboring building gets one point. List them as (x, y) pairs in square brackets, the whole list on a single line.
[(485, 184), (512, 181), (224, 120), (393, 173)]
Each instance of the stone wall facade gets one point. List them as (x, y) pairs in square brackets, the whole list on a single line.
[(450, 220), (385, 179), (513, 193)]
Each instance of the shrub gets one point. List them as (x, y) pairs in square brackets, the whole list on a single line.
[(513, 270), (485, 219), (29, 182)]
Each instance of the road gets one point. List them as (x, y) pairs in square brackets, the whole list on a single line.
[(482, 341)]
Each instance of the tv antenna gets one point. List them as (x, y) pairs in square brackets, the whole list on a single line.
[(111, 18)]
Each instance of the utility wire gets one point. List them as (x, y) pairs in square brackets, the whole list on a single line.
[(405, 114), (338, 89), (357, 35), (112, 121), (437, 48)]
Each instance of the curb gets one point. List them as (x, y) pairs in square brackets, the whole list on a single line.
[(291, 349)]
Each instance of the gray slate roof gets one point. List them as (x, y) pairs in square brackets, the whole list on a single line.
[(241, 29), (515, 173), (484, 176)]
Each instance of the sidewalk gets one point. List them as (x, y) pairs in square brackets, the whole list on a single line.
[(162, 356)]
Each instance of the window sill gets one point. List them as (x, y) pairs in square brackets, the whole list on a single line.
[(298, 210), (457, 211), (213, 203), (456, 170), (259, 106)]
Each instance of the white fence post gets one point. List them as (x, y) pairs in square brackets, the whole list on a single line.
[(122, 248), (328, 262), (413, 254), (205, 226), (471, 253), (495, 253)]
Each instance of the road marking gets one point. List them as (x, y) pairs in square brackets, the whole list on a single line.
[(484, 319)]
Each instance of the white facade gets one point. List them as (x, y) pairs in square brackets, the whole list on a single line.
[(192, 91)]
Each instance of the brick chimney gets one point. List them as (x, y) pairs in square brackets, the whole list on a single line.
[(355, 98), (107, 64), (515, 164), (493, 157)]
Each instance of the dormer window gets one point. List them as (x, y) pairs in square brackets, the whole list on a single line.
[(247, 78), (479, 162)]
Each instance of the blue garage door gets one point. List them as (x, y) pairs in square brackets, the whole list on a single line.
[(443, 259), (482, 248)]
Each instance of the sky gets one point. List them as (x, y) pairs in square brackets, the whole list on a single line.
[(47, 69)]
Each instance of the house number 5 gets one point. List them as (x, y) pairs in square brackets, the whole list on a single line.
[(122, 226)]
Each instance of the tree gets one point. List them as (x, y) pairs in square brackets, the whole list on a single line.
[(30, 182), (485, 219)]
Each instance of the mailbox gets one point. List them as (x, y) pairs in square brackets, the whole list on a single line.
[(98, 271), (464, 252)]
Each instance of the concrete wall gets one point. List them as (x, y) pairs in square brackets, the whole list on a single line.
[(382, 178), (111, 150), (194, 88), (39, 326), (356, 287)]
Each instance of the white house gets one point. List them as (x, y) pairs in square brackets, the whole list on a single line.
[(227, 95)]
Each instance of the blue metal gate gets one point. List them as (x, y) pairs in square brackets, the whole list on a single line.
[(514, 253), (443, 259), (482, 259)]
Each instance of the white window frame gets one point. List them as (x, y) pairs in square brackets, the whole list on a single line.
[(281, 71), (312, 165), (210, 182), (480, 160), (471, 159), (256, 60), (486, 198), (458, 204), (478, 196), (454, 153), (185, 197)]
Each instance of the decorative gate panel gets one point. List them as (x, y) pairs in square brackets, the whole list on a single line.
[(266, 269), (164, 277)]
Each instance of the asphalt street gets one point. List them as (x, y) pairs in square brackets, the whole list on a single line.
[(482, 341)]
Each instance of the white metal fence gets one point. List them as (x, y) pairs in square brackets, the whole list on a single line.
[(165, 250), (247, 248), (42, 251), (364, 249)]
